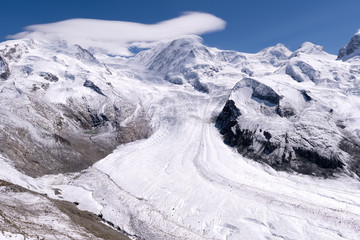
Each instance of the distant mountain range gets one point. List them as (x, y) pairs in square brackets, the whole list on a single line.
[(180, 141)]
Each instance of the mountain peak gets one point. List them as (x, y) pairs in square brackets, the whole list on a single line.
[(308, 48), (351, 49), (279, 51), (176, 53)]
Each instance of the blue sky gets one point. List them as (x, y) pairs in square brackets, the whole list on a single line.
[(251, 25)]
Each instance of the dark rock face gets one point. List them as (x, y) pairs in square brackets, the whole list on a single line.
[(267, 135), (352, 47), (314, 157), (227, 118), (285, 111), (306, 95), (351, 146), (93, 87), (282, 152), (4, 69), (242, 138), (49, 76)]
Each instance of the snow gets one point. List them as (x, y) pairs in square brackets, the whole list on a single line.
[(27, 215), (79, 194), (183, 182), (196, 181), (184, 176), (10, 174), (13, 236)]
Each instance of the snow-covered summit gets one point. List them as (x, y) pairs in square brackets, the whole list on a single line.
[(171, 55), (308, 48), (352, 49), (180, 129), (279, 51), (180, 60)]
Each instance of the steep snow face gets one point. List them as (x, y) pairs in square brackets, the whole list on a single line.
[(352, 49), (288, 111)]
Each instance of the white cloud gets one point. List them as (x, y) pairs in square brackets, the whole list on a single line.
[(114, 36)]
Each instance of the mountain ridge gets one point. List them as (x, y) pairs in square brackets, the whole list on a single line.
[(185, 141)]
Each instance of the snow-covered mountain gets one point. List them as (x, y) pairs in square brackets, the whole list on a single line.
[(59, 109), (183, 141), (352, 49)]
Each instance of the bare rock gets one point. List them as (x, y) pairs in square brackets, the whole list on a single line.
[(4, 69)]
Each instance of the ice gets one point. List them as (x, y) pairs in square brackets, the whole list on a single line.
[(183, 182)]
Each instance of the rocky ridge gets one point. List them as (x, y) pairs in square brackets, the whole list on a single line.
[(64, 107)]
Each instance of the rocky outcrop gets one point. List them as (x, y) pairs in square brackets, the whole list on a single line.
[(318, 158), (351, 49), (283, 154), (49, 76), (228, 117), (93, 87), (283, 136), (83, 54), (4, 69)]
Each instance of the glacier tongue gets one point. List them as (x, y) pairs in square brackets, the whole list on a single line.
[(153, 123)]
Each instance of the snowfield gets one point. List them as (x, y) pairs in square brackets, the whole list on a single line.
[(183, 182)]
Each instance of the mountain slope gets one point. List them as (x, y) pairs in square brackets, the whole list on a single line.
[(352, 49), (59, 112), (162, 145), (27, 214)]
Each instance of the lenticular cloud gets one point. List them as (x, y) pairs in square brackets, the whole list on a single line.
[(114, 36)]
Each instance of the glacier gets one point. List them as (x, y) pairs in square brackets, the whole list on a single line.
[(185, 141)]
